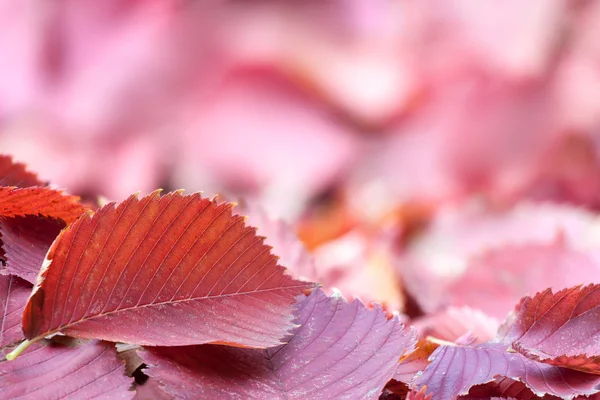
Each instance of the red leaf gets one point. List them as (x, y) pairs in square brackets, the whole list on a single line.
[(455, 369), (39, 201), (91, 370), (171, 270), (340, 350), (415, 362), (25, 241), (561, 328), (13, 297), (16, 174)]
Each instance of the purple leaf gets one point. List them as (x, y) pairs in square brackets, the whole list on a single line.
[(50, 371), (25, 241), (14, 293), (340, 351), (455, 369)]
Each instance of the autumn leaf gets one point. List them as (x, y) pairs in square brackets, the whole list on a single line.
[(42, 201), (455, 369), (16, 174), (454, 322), (560, 328), (48, 370), (13, 297), (171, 270), (340, 351), (25, 241)]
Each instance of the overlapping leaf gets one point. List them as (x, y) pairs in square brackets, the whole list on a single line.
[(171, 270), (52, 371), (454, 322), (455, 369), (340, 351), (16, 174), (560, 328), (42, 201), (25, 241), (13, 297)]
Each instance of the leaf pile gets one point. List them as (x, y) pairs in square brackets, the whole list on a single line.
[(177, 296)]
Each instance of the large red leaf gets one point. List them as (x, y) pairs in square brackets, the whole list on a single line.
[(341, 350), (39, 201), (13, 297), (25, 241), (51, 371), (561, 328), (16, 174), (455, 369), (171, 270)]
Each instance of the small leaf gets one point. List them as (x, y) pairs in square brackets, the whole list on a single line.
[(25, 241), (39, 201), (171, 270), (341, 350), (46, 370), (14, 293), (561, 328), (16, 174)]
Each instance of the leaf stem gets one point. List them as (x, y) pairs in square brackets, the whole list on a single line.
[(19, 349)]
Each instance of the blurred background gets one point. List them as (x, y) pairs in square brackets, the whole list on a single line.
[(379, 129)]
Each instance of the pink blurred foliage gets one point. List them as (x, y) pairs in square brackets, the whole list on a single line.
[(281, 101)]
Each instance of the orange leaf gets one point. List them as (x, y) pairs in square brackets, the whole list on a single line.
[(39, 201), (171, 270)]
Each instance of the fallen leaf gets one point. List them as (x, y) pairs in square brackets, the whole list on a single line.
[(170, 270), (14, 293), (341, 350), (25, 241), (42, 201), (16, 174), (560, 328), (455, 369), (51, 371)]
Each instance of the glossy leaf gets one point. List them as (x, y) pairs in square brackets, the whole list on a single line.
[(455, 369), (25, 241), (39, 201), (16, 174), (50, 371), (171, 270), (560, 328), (14, 293), (340, 351)]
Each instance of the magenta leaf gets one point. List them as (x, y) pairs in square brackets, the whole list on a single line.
[(560, 328), (14, 293), (340, 351), (52, 371), (25, 241)]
